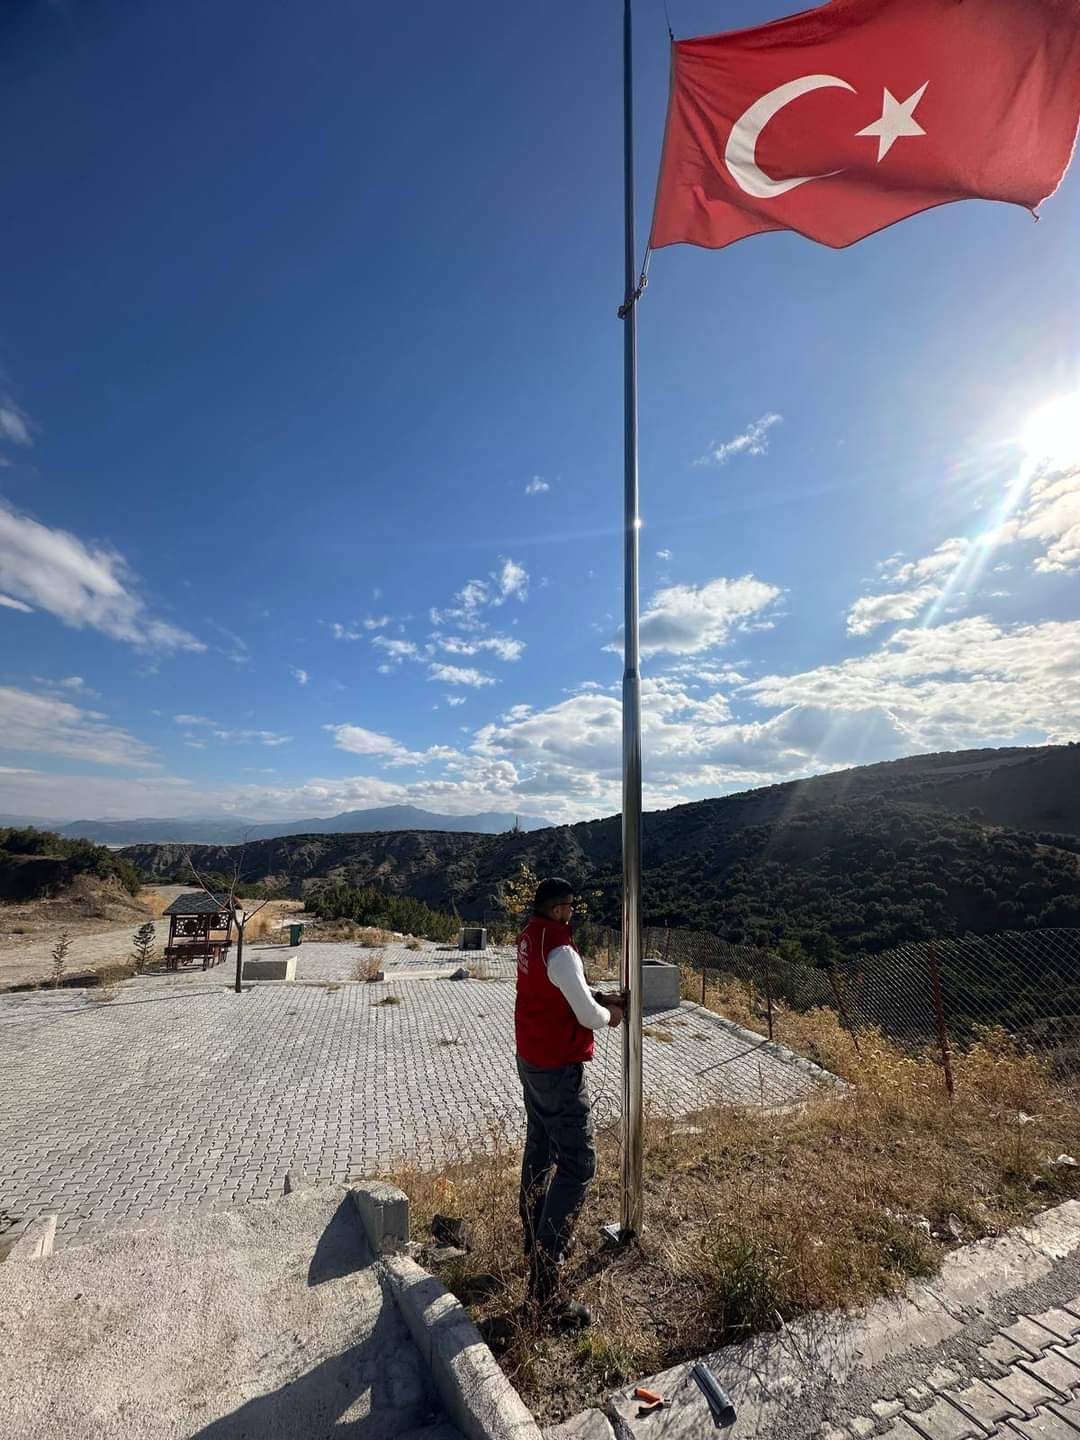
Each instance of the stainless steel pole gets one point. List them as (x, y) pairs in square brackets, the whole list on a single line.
[(633, 1149)]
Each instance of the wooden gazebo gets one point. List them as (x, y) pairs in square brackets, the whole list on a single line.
[(200, 928)]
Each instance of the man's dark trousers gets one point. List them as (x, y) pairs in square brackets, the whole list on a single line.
[(560, 1137)]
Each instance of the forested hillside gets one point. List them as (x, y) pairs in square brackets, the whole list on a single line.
[(855, 861)]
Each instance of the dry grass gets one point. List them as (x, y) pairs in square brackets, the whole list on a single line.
[(155, 905), (265, 924), (349, 930), (369, 967), (753, 1219)]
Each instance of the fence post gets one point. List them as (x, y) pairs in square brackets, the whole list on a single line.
[(840, 1006), (667, 941), (768, 990), (939, 1018)]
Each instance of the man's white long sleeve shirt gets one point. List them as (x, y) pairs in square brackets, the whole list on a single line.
[(565, 970)]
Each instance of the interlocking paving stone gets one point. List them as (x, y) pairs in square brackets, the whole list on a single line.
[(986, 1406), (943, 1421), (1060, 1322), (1033, 1337), (181, 1088), (1055, 1370), (1002, 1353), (1026, 1393), (1049, 1425)]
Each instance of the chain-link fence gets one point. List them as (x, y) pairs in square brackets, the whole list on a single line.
[(936, 992)]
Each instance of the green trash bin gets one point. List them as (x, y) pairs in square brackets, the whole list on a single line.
[(296, 934)]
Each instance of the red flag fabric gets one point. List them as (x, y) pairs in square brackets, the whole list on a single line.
[(844, 119)]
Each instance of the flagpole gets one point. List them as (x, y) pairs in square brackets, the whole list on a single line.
[(632, 1148)]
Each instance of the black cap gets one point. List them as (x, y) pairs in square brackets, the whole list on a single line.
[(551, 892)]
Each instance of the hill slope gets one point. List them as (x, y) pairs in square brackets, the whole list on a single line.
[(860, 860)]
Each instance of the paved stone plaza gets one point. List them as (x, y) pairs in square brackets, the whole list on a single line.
[(180, 1093)]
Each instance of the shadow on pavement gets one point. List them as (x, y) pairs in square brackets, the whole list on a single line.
[(341, 1249), (374, 1390)]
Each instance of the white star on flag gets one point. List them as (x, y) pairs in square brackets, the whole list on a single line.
[(897, 119)]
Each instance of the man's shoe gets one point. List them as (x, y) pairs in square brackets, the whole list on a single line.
[(567, 1315)]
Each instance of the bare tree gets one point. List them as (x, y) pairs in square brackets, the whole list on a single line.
[(230, 900)]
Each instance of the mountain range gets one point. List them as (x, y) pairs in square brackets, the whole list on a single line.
[(216, 830), (860, 859)]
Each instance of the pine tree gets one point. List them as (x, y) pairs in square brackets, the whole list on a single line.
[(144, 942), (59, 956)]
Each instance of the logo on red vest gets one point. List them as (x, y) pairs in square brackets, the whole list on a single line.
[(523, 954)]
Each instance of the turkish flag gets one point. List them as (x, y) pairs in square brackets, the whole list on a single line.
[(842, 120)]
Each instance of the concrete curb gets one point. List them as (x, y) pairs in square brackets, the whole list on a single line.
[(384, 1214), (478, 1397), (36, 1241), (772, 1048)]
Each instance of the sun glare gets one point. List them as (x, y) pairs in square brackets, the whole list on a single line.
[(1052, 435)]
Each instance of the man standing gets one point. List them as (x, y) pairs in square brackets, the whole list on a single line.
[(554, 1019)]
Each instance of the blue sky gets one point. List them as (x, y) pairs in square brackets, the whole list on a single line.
[(310, 432)]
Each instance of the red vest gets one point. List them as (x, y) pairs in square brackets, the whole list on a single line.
[(546, 1029)]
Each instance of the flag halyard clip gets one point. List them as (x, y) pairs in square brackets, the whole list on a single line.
[(628, 304)]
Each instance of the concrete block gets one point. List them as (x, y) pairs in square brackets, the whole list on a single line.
[(660, 985), (384, 1213), (589, 1425), (283, 968), (477, 1396), (36, 1241)]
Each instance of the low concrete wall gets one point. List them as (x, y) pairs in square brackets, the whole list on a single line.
[(661, 985), (280, 968)]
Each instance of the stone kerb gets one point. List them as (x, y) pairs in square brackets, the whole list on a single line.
[(384, 1214), (36, 1241), (477, 1395)]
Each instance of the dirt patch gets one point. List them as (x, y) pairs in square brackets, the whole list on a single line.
[(99, 916)]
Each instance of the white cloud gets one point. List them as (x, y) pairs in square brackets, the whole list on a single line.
[(396, 651), (537, 486), (968, 682), (343, 632), (872, 610), (14, 425), (453, 700), (1051, 516), (9, 604), (513, 581), (359, 741), (228, 736), (44, 724), (82, 586), (754, 440), (663, 554), (460, 675), (376, 622), (384, 748), (687, 619), (501, 646), (300, 676)]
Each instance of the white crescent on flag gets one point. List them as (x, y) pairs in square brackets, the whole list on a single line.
[(741, 152)]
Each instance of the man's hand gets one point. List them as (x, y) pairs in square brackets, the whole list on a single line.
[(616, 1011)]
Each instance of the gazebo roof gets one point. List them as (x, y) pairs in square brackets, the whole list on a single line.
[(198, 903)]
